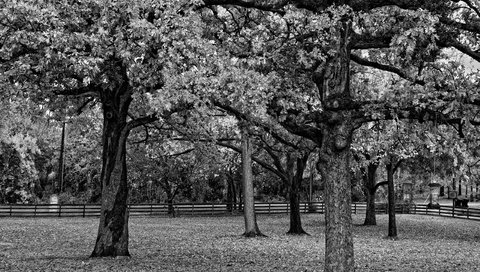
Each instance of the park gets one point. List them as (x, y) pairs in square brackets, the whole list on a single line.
[(239, 135)]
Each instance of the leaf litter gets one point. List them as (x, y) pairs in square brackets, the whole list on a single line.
[(425, 243)]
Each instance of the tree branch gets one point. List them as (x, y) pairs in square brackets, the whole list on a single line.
[(80, 91), (460, 47), (141, 121), (473, 7), (471, 27), (379, 184), (387, 68)]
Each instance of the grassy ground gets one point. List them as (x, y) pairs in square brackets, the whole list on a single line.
[(214, 244)]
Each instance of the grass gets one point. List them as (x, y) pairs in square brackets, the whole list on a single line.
[(214, 244)]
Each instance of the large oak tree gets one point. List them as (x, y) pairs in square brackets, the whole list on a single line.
[(115, 53), (405, 38)]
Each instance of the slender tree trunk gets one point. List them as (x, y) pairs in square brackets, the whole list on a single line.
[(231, 194), (170, 197), (112, 238), (251, 227), (392, 225), (294, 196), (370, 190), (61, 160)]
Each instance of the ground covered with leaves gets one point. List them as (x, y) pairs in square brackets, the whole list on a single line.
[(425, 243)]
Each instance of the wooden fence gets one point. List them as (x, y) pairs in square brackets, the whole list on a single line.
[(162, 209), (448, 211), (213, 209)]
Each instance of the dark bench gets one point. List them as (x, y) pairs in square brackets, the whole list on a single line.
[(460, 202)]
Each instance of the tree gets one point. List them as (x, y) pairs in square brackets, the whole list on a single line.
[(412, 35), (115, 53), (285, 156), (251, 227)]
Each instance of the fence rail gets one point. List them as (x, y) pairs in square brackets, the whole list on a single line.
[(209, 209), (162, 209), (448, 211)]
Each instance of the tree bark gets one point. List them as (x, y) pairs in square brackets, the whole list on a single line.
[(334, 165), (251, 227), (370, 190), (61, 160), (170, 197), (231, 194), (392, 225), (112, 238), (294, 197), (335, 154)]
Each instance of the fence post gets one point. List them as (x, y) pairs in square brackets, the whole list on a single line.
[(269, 204), (453, 211), (10, 210), (84, 207), (59, 210), (468, 212), (213, 208), (151, 209), (35, 211), (355, 207)]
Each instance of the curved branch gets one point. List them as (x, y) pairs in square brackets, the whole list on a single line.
[(141, 121), (379, 184), (473, 7), (385, 67)]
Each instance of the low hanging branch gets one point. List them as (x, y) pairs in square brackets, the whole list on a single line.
[(141, 121)]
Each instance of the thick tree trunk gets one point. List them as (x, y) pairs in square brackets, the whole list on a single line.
[(335, 154), (294, 196), (370, 216), (370, 190), (392, 225), (334, 165), (112, 238), (251, 227)]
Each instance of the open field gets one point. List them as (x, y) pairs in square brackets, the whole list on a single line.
[(214, 244)]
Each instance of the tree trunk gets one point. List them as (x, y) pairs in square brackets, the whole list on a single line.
[(294, 196), (335, 169), (251, 227), (370, 190), (335, 154), (170, 197), (112, 238), (61, 160), (392, 225), (231, 194)]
